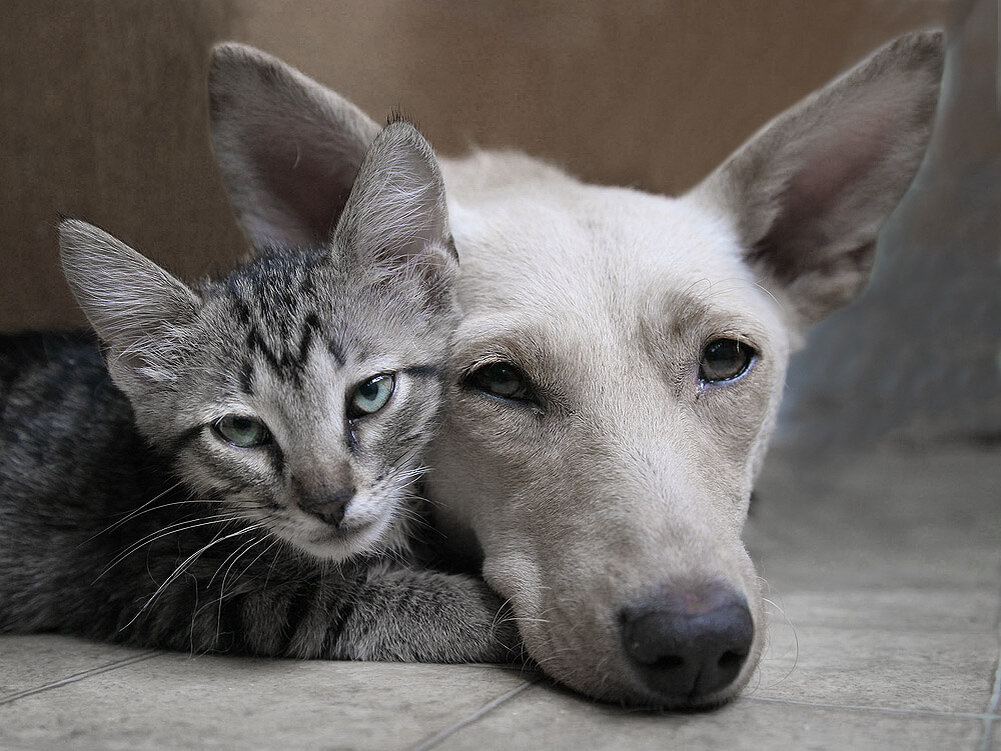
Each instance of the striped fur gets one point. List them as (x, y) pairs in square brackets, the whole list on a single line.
[(125, 512)]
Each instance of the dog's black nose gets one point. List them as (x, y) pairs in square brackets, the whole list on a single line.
[(329, 508), (688, 642)]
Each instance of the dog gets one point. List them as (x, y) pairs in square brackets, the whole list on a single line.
[(622, 355)]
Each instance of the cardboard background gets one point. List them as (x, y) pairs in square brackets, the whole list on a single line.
[(103, 104), (103, 116)]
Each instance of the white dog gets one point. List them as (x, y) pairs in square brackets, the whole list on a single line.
[(622, 356)]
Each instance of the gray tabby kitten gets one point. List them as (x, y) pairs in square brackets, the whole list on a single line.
[(235, 474)]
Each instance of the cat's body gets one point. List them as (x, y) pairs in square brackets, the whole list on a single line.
[(234, 475)]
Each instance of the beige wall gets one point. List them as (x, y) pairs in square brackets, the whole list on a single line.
[(103, 116), (102, 104), (645, 92)]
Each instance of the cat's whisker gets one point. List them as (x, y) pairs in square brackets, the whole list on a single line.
[(242, 551), (171, 529), (411, 520), (235, 556), (413, 473), (159, 507), (135, 512), (174, 528), (183, 566), (264, 538), (232, 559)]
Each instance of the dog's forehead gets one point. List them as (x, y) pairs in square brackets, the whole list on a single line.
[(554, 244)]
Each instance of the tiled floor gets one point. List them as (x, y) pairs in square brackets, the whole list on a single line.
[(885, 571)]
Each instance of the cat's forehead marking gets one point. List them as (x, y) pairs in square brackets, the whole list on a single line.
[(294, 313), (343, 343), (279, 313), (247, 377), (290, 362), (338, 350)]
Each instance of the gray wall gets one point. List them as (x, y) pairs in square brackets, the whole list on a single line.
[(919, 356)]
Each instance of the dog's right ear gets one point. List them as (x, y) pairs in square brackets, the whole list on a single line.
[(288, 147), (808, 194)]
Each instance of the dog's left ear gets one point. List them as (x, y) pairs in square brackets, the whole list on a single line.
[(809, 193)]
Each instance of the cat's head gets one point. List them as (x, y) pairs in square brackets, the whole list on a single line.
[(297, 393)]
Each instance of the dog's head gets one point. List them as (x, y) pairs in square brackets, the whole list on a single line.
[(622, 355)]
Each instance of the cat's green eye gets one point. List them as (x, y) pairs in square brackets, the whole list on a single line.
[(242, 432), (370, 396)]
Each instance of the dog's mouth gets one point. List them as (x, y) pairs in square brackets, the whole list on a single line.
[(687, 648), (710, 688), (668, 684)]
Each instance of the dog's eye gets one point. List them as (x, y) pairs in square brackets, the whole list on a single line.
[(501, 379), (725, 360)]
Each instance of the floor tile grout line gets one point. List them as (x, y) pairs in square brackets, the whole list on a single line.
[(441, 735), (889, 710), (79, 676), (996, 696), (992, 707)]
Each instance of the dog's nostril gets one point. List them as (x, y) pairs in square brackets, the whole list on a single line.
[(688, 642), (730, 659), (669, 662)]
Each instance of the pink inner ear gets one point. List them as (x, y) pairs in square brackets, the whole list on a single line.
[(823, 202), (308, 178)]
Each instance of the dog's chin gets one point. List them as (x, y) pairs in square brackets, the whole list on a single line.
[(627, 690), (699, 703), (602, 672)]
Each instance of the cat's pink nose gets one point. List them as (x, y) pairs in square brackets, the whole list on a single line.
[(328, 507)]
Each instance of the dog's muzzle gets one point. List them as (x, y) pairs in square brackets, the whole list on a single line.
[(687, 643)]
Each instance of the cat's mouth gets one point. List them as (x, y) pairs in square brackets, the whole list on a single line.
[(339, 543)]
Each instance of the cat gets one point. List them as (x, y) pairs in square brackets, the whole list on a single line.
[(235, 474)]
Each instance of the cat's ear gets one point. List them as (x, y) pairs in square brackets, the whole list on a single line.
[(289, 148), (809, 193), (137, 309), (397, 212)]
